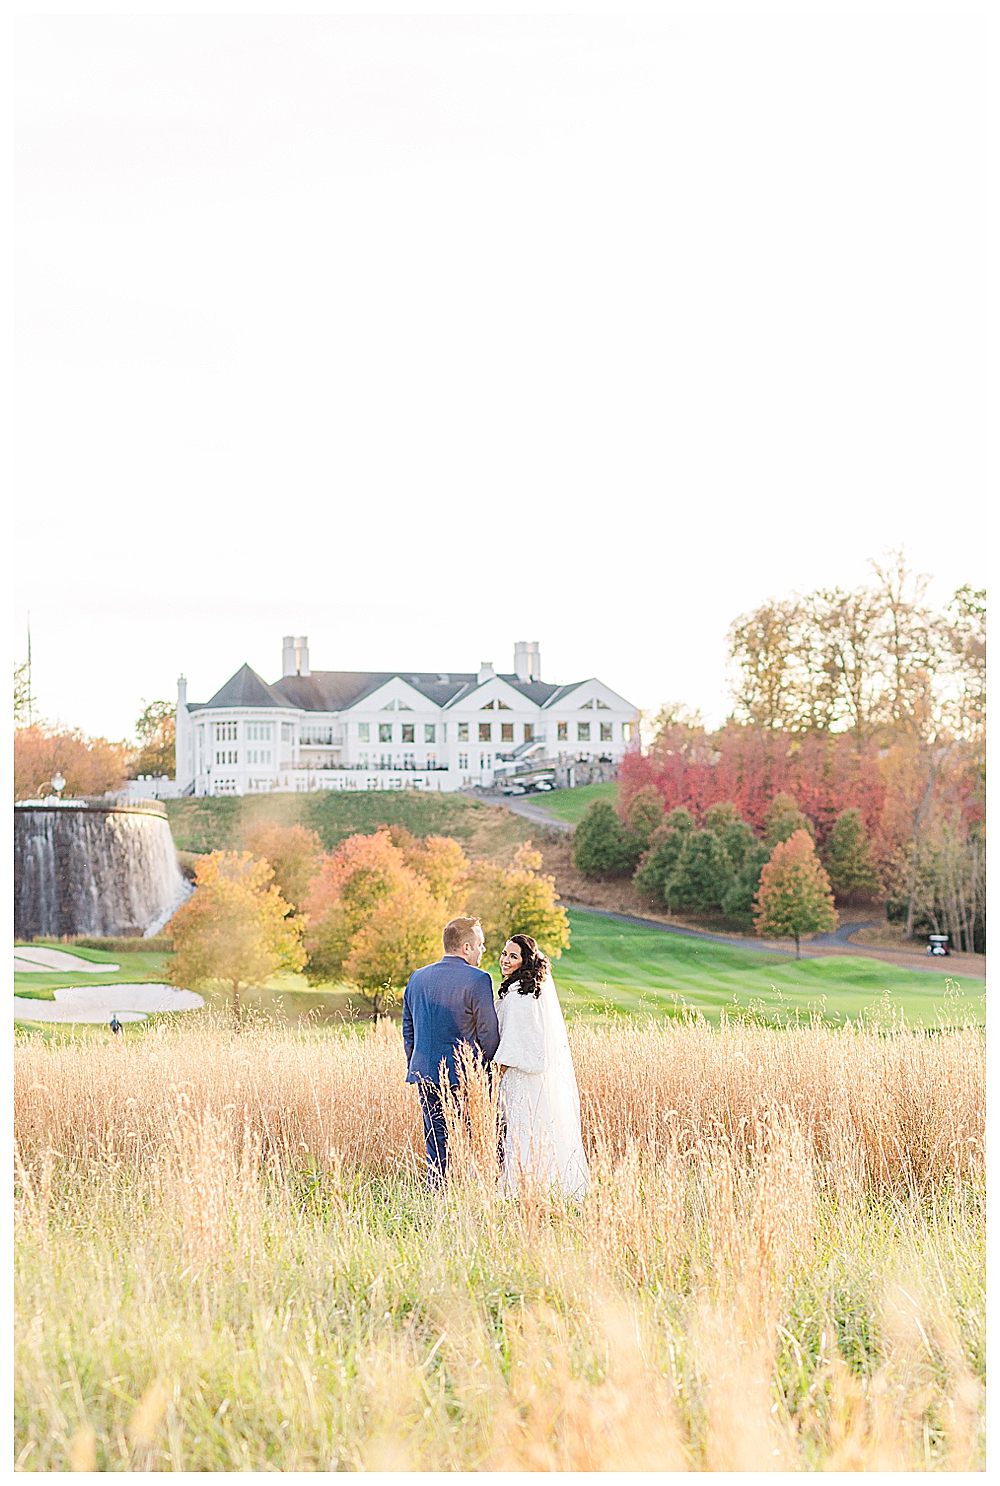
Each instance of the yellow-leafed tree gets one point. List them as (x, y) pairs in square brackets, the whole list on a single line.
[(518, 900), (236, 929), (294, 852)]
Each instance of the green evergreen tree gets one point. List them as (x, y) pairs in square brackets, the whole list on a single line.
[(847, 856), (657, 866), (703, 874), (783, 819), (720, 815), (738, 900), (602, 846), (644, 815)]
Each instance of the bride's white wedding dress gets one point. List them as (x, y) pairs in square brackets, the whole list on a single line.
[(538, 1095)]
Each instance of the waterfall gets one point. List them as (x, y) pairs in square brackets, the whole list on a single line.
[(95, 869)]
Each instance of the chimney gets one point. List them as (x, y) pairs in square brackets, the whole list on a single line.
[(527, 661), (486, 672), (182, 691), (295, 655)]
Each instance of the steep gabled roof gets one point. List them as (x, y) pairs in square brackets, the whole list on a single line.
[(333, 691), (246, 689)]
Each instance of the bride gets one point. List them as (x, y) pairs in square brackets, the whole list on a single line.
[(538, 1092)]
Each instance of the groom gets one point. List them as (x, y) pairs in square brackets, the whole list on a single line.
[(444, 1006)]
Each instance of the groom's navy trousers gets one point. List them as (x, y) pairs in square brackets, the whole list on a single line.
[(444, 1006)]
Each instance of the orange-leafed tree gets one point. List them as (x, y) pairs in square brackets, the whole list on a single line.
[(236, 929), (294, 852), (371, 918), (794, 896), (90, 766), (518, 899), (441, 862)]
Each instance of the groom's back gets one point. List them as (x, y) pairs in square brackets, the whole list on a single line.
[(445, 1005)]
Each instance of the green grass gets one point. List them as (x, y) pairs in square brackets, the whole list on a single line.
[(210, 824), (625, 969), (135, 969), (571, 804)]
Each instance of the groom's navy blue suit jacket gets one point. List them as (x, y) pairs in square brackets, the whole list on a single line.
[(444, 1005)]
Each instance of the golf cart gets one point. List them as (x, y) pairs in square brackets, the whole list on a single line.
[(937, 944)]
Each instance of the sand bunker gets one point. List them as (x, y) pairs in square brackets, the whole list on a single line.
[(33, 959), (130, 1003)]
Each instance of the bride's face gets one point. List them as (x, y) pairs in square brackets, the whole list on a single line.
[(511, 959)]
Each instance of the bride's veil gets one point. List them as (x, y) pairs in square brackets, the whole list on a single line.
[(564, 1095)]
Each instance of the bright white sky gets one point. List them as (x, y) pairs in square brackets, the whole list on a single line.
[(422, 336)]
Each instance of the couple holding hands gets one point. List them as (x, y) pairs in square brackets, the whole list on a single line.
[(521, 1035)]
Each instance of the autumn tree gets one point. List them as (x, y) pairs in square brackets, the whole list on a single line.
[(602, 845), (847, 857), (294, 853), (372, 918), (442, 864), (235, 929), (794, 896), (518, 899), (90, 766)]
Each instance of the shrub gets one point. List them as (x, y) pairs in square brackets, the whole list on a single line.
[(644, 814), (738, 900)]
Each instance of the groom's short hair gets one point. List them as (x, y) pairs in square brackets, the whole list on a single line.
[(459, 932)]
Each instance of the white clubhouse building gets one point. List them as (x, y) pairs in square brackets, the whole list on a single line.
[(392, 729)]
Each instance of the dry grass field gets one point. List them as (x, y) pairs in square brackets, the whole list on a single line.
[(225, 1259)]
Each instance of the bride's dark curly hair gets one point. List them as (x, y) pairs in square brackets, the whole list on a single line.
[(530, 973)]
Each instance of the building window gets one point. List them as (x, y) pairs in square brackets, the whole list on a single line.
[(444, 732), (506, 732), (463, 732), (562, 731), (287, 732), (432, 761), (259, 732), (225, 732), (583, 732), (408, 732), (487, 707), (385, 732), (429, 731), (227, 756), (364, 732), (485, 732), (603, 706), (529, 732), (586, 706), (605, 732), (627, 732), (463, 760)]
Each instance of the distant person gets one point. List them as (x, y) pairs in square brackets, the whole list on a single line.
[(539, 1099), (446, 1006), (115, 1024)]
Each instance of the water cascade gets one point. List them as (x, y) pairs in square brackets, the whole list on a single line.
[(93, 867)]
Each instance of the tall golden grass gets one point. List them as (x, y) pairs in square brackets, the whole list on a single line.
[(226, 1259)]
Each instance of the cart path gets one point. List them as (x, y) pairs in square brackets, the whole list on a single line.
[(959, 965)]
